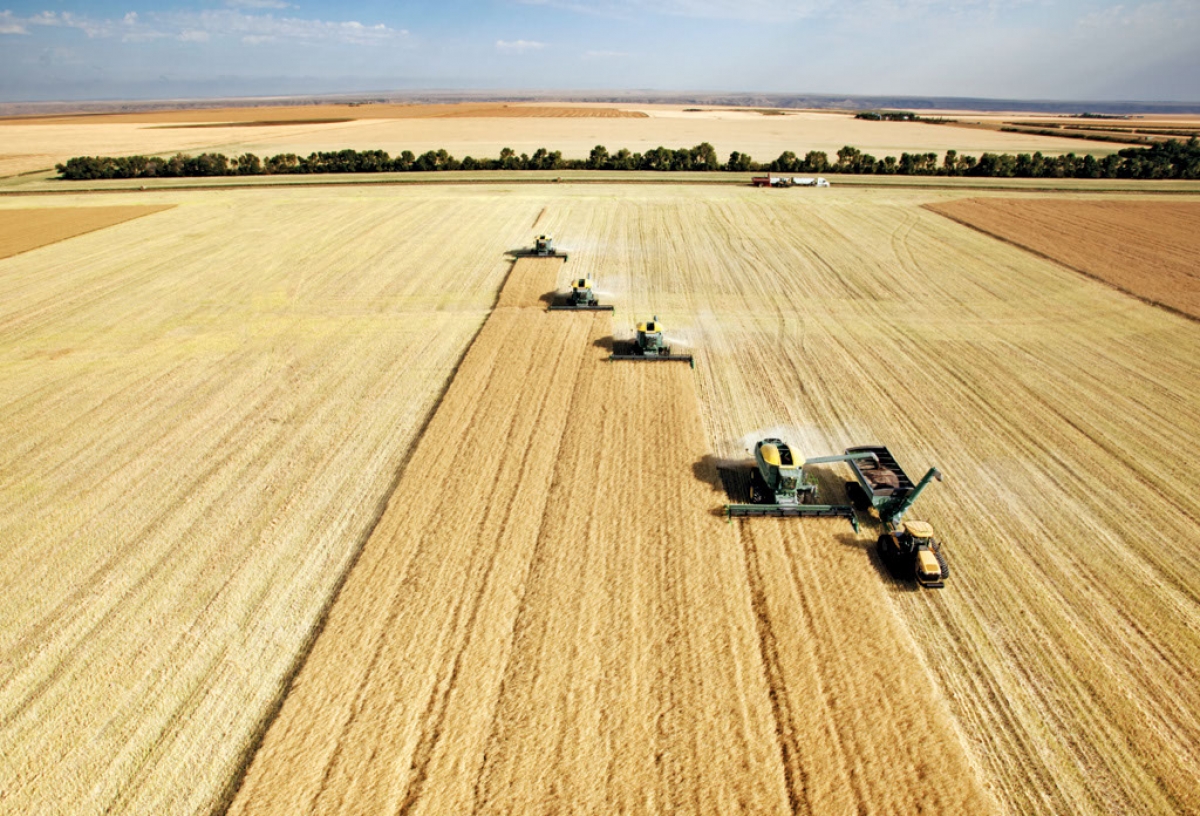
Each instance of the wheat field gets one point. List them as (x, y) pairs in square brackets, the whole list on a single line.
[(1146, 248), (207, 408), (23, 230), (585, 634), (203, 410), (31, 144), (1058, 408)]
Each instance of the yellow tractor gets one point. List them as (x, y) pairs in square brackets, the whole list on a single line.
[(909, 549)]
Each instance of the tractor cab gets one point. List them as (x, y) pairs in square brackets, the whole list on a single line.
[(912, 551), (543, 246)]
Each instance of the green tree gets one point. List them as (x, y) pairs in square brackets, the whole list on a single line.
[(598, 158), (815, 161), (740, 162), (704, 157)]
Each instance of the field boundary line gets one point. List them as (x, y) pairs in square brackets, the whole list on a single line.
[(238, 776), (1065, 265)]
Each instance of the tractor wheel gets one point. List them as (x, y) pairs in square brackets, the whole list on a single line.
[(759, 492)]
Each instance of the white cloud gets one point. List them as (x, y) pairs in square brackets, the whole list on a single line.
[(518, 46), (782, 11), (201, 26), (776, 10), (10, 24), (258, 4)]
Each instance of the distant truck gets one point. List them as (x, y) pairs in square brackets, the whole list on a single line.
[(788, 181)]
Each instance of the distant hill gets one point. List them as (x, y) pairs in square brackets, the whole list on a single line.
[(754, 100)]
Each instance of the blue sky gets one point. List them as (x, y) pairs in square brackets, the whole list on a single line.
[(1021, 49)]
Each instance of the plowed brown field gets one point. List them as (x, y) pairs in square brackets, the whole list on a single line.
[(1150, 249), (550, 617), (22, 230)]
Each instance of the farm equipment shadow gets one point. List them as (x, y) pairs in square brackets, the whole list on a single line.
[(867, 546), (724, 476)]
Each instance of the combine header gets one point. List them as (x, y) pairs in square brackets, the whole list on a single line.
[(649, 346), (780, 487), (582, 298), (907, 548)]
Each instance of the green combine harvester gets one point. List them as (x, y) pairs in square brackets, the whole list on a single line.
[(543, 247), (780, 487), (581, 299), (649, 346), (907, 548)]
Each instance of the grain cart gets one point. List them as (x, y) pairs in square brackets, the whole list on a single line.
[(649, 346), (582, 298), (908, 549), (780, 487)]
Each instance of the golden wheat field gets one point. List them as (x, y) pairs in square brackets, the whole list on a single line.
[(31, 144), (203, 409), (586, 634), (214, 413), (1150, 249)]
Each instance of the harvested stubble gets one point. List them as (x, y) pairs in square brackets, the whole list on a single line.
[(202, 413), (551, 617), (23, 230), (1063, 412), (1149, 249)]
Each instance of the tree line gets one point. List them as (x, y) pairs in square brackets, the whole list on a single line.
[(1172, 159)]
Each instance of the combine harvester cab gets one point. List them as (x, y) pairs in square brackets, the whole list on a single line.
[(779, 486), (908, 549), (581, 299), (649, 346)]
